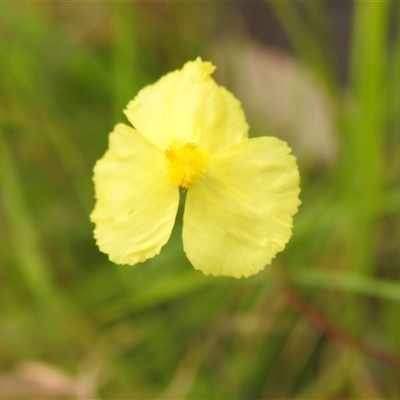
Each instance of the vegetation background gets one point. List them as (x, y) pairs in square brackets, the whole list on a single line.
[(322, 322)]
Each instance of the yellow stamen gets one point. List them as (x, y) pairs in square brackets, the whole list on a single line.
[(185, 163)]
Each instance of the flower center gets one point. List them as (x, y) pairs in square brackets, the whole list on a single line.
[(185, 163)]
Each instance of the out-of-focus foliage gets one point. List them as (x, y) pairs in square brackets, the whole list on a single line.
[(72, 324)]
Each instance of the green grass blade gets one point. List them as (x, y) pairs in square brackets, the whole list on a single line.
[(363, 146), (309, 47), (355, 284), (32, 263)]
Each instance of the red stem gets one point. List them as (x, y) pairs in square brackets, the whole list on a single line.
[(322, 324)]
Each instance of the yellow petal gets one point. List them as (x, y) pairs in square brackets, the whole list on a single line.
[(189, 107), (136, 205), (239, 214)]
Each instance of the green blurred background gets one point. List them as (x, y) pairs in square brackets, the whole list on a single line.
[(323, 322)]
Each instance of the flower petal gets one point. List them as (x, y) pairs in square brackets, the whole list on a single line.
[(136, 205), (188, 106), (239, 214)]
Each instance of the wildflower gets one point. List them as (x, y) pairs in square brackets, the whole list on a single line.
[(191, 134)]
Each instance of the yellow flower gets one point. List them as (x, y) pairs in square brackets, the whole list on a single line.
[(191, 134)]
